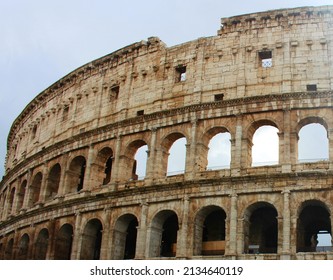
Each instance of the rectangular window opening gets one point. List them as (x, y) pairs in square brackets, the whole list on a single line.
[(65, 113), (266, 58), (180, 73), (218, 97), (114, 91), (311, 87), (140, 113)]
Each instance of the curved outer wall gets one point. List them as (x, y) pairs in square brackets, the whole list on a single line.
[(57, 184)]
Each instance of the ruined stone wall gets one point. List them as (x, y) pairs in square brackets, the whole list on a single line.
[(69, 167)]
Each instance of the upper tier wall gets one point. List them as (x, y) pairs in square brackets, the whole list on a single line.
[(148, 77)]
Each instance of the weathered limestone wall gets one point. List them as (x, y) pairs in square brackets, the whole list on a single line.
[(60, 146)]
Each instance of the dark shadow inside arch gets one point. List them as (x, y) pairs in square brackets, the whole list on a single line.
[(164, 230), (53, 182), (23, 248), (9, 250), (213, 237), (313, 220), (91, 240), (261, 229), (41, 245), (209, 231), (63, 243), (75, 174), (125, 236)]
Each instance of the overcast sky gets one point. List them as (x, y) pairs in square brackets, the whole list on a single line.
[(42, 41)]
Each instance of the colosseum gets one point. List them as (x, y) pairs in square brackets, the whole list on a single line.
[(72, 187)]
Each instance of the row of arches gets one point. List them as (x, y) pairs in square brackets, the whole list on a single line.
[(106, 166), (210, 234)]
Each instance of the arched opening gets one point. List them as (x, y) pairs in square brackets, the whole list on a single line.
[(313, 223), (23, 247), (11, 201), (35, 189), (63, 243), (164, 229), (21, 194), (219, 153), (140, 163), (261, 229), (313, 143), (91, 240), (209, 231), (41, 245), (125, 236), (75, 174), (135, 160), (9, 250), (175, 144), (102, 169), (53, 181), (265, 149)]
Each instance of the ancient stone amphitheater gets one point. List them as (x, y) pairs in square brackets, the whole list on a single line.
[(72, 188)]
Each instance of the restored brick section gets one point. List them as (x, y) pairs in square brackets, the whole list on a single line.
[(70, 185)]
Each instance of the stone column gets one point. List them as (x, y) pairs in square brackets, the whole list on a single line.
[(140, 252), (182, 233), (42, 193), (151, 156), (50, 247), (87, 176), (233, 226), (293, 234), (15, 245), (236, 147), (105, 249), (31, 253), (294, 147), (330, 147), (190, 166), (27, 190), (77, 236), (63, 165), (115, 168), (286, 225), (285, 156)]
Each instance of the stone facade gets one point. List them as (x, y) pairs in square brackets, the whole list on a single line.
[(71, 190)]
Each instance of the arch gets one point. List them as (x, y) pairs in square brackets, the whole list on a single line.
[(21, 194), (41, 245), (63, 242), (135, 160), (174, 156), (265, 149), (311, 120), (163, 234), (53, 182), (102, 169), (34, 189), (313, 220), (209, 231), (9, 250), (313, 142), (125, 237), (23, 247), (75, 174), (218, 141), (11, 201), (260, 228), (91, 240)]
